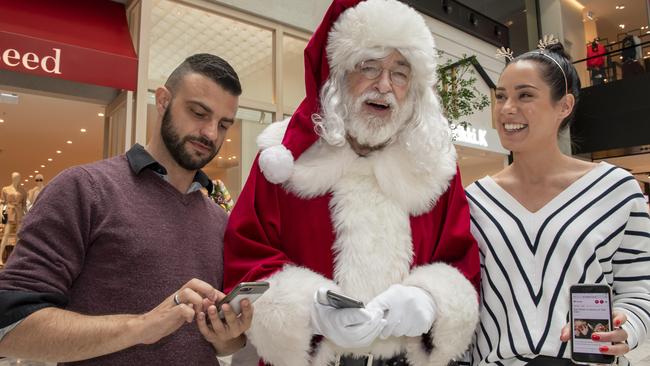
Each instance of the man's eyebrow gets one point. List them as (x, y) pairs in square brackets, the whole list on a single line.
[(200, 104)]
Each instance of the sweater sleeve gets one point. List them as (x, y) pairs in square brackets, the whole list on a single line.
[(52, 245), (630, 267)]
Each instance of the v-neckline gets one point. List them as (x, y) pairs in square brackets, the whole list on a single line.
[(554, 202)]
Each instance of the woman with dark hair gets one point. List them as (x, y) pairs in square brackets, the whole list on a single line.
[(549, 221)]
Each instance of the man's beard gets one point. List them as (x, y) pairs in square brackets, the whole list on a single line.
[(372, 130), (176, 145)]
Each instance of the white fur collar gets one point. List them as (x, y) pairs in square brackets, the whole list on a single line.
[(320, 167)]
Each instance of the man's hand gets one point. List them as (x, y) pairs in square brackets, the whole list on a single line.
[(226, 335), (167, 317), (409, 311), (618, 336), (348, 328)]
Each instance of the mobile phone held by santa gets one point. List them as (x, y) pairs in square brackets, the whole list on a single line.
[(591, 311), (245, 290), (336, 300)]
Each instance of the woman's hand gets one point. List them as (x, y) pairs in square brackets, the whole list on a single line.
[(617, 337)]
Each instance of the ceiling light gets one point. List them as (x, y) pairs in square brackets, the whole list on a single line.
[(228, 140), (36, 171), (42, 166), (58, 151), (22, 184), (68, 142), (622, 26), (26, 180), (234, 157), (31, 176), (219, 157), (2, 120), (49, 159), (620, 7), (100, 114), (83, 130), (229, 158)]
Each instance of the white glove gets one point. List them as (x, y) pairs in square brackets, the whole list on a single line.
[(408, 311), (347, 328)]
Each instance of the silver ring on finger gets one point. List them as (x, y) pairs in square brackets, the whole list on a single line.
[(177, 301)]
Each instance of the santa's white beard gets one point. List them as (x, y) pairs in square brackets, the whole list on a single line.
[(372, 130)]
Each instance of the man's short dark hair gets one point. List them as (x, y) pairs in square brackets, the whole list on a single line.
[(210, 66)]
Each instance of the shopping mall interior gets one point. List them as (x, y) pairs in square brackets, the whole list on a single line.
[(49, 123)]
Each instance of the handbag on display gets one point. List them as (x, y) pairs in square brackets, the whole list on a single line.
[(5, 216)]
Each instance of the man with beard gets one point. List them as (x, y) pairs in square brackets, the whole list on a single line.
[(359, 193), (109, 241)]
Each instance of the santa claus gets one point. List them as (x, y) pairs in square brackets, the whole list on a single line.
[(358, 192)]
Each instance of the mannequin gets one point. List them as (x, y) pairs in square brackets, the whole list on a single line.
[(14, 198), (596, 64), (33, 193)]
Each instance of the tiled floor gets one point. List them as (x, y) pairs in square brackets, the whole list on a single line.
[(638, 357)]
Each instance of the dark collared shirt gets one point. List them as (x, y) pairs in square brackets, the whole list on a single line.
[(139, 159)]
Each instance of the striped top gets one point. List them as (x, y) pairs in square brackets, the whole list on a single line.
[(595, 231)]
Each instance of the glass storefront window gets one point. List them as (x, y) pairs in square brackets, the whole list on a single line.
[(293, 70), (179, 31)]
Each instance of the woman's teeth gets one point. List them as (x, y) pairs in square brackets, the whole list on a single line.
[(514, 126)]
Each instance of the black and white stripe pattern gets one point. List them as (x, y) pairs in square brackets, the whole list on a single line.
[(595, 231)]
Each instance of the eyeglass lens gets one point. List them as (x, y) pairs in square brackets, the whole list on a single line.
[(371, 69)]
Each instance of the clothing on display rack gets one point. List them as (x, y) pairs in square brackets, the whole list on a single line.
[(596, 62)]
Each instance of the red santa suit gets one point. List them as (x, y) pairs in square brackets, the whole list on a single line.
[(356, 224)]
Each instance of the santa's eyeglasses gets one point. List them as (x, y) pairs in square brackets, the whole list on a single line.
[(372, 69), (38, 180)]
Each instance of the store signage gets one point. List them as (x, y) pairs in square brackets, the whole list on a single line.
[(471, 135), (31, 61), (62, 60)]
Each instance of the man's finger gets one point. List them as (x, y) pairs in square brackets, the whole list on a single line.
[(186, 312), (246, 317), (202, 288), (189, 296), (217, 324), (203, 327)]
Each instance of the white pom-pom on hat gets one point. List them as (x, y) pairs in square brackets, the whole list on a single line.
[(276, 162)]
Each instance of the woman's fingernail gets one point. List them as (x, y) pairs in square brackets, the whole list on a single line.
[(595, 337), (603, 348), (617, 322)]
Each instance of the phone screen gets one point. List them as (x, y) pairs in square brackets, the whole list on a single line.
[(591, 312)]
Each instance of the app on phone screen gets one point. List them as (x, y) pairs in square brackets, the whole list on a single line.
[(590, 315)]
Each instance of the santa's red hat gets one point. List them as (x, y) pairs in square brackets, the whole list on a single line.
[(349, 29)]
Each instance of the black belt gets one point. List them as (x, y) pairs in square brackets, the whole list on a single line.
[(368, 360)]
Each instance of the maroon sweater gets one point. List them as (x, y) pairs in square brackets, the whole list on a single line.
[(107, 238)]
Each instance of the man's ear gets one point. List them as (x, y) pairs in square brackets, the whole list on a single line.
[(163, 98)]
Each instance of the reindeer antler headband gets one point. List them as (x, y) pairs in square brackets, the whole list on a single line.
[(543, 45)]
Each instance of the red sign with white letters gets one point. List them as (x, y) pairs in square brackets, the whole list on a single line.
[(87, 41)]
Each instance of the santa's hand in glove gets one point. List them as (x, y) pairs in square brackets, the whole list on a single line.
[(347, 328), (408, 311)]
